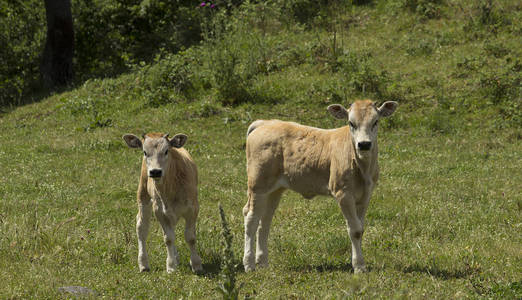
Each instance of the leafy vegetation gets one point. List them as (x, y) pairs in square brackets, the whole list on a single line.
[(443, 223)]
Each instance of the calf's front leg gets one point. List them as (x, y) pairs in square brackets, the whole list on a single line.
[(355, 229), (142, 230)]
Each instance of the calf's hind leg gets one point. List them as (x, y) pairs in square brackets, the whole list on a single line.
[(254, 209), (190, 238), (263, 230)]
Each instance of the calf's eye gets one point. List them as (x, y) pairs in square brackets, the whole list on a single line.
[(166, 151), (375, 124), (352, 125), (144, 153)]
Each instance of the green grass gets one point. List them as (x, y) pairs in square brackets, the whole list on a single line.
[(444, 221)]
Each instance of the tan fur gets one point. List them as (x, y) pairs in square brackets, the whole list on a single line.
[(172, 196), (179, 187), (311, 161)]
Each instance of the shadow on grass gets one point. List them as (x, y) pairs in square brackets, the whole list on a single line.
[(212, 267), (438, 272), (327, 267)]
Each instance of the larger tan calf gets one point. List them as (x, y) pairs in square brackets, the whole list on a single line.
[(339, 162), (168, 184)]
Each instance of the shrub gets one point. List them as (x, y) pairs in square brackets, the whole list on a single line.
[(21, 35), (228, 80), (111, 36), (503, 89), (303, 11), (237, 49), (361, 75), (426, 8), (485, 18), (171, 78)]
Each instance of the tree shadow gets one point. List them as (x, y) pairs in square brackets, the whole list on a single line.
[(36, 96)]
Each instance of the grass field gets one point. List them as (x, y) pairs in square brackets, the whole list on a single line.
[(443, 223)]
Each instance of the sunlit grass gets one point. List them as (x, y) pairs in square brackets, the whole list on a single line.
[(444, 221)]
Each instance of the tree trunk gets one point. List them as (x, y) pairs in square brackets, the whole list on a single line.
[(57, 60)]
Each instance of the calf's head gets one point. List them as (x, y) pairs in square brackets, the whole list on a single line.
[(363, 117), (156, 147)]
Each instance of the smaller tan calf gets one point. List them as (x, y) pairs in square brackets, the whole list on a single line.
[(168, 185)]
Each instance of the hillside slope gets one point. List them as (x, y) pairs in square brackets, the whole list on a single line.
[(443, 223)]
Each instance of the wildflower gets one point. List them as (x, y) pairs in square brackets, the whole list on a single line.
[(212, 5), (202, 4)]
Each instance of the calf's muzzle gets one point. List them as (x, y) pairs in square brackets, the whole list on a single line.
[(364, 146), (155, 173)]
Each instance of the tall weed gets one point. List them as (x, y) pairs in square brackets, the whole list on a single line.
[(228, 288)]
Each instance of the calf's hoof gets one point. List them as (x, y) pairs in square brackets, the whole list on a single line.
[(262, 261), (249, 268), (359, 270), (196, 267), (144, 269), (262, 264)]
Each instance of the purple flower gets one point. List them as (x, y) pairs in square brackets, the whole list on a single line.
[(212, 6), (202, 4)]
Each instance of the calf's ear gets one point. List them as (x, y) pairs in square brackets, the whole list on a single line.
[(387, 108), (178, 140), (338, 111), (132, 141)]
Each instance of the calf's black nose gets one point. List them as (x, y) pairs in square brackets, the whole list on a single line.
[(364, 145), (155, 173)]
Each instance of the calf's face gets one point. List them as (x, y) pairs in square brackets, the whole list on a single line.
[(156, 149), (363, 117)]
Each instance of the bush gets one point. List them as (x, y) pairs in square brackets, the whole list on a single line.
[(426, 8), (303, 11), (485, 18), (237, 49), (503, 89), (21, 35), (111, 36), (170, 79), (361, 75)]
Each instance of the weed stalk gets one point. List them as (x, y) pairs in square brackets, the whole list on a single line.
[(227, 288)]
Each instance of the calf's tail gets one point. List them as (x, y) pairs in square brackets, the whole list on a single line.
[(253, 126)]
